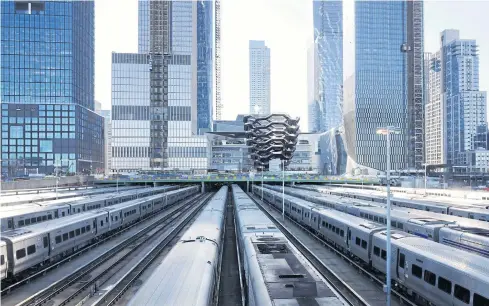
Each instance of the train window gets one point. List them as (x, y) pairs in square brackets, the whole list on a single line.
[(107, 219), (27, 221), (357, 241), (364, 244), (383, 255), (88, 228), (77, 232), (44, 218), (342, 233), (31, 249), (39, 219), (417, 271), (45, 241), (323, 224), (21, 223), (79, 210), (362, 214), (83, 230), (402, 260), (72, 234), (20, 254), (400, 225), (333, 228), (101, 222), (479, 300), (337, 231), (57, 239), (376, 219), (393, 224), (376, 251), (33, 220), (429, 277), (9, 223), (62, 214), (65, 236), (445, 285), (462, 294), (2, 260), (56, 214)]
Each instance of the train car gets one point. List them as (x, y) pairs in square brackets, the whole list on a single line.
[(13, 217), (481, 214), (194, 261), (3, 260), (427, 271), (424, 224), (434, 273), (275, 272), (30, 246), (37, 244)]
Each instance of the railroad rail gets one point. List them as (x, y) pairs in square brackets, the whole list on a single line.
[(79, 252), (400, 298), (111, 296), (48, 293)]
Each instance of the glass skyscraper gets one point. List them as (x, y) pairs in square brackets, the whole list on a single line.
[(176, 44), (325, 105), (383, 83), (259, 78), (47, 62)]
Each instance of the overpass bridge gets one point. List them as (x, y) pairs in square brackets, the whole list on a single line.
[(235, 178)]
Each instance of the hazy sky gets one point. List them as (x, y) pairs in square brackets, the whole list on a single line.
[(286, 26)]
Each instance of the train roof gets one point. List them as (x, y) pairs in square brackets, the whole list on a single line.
[(460, 259), (288, 277), (26, 198), (30, 231)]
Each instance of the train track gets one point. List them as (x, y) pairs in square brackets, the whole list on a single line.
[(111, 296), (105, 262), (400, 298), (56, 264), (342, 288)]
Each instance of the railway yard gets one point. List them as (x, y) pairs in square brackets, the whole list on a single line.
[(301, 245)]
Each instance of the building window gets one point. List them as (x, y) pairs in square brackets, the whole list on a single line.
[(16, 131), (46, 146)]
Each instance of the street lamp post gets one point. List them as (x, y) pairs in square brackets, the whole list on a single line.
[(387, 131), (425, 178), (283, 189)]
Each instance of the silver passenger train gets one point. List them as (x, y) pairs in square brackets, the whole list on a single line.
[(12, 217), (39, 244), (462, 233), (426, 271), (189, 274), (471, 211), (275, 271)]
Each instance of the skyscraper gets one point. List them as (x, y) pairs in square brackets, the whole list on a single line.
[(383, 86), (176, 63), (259, 78), (47, 59), (325, 108), (456, 110)]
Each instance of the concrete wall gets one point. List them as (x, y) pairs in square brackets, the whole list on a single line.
[(49, 182)]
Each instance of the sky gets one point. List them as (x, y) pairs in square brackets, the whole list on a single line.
[(286, 27)]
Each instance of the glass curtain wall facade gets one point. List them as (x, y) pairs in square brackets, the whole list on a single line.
[(259, 78), (377, 86), (47, 63), (176, 40), (130, 112), (328, 62)]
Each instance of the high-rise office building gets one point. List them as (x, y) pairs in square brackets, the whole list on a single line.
[(176, 61), (326, 67), (383, 81), (47, 91), (259, 78), (456, 109)]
